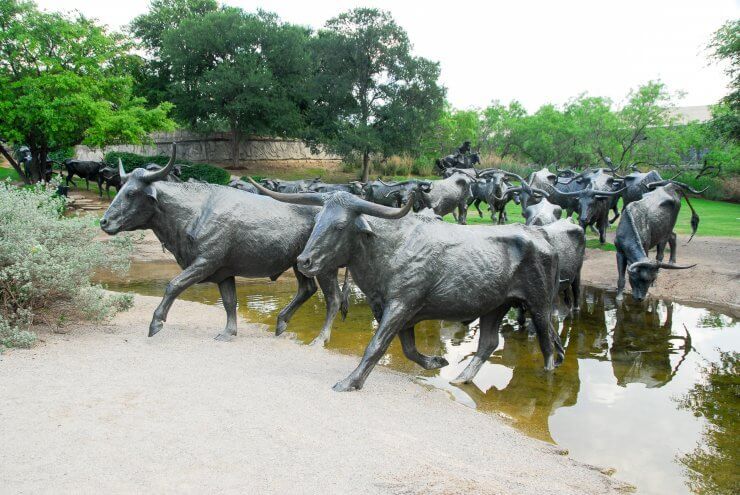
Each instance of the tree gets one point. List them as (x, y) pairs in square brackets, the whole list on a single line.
[(152, 75), (371, 96), (60, 85), (725, 46), (241, 72)]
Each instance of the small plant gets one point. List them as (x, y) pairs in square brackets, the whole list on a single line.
[(46, 262)]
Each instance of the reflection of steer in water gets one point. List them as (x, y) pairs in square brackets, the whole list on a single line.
[(217, 233), (411, 270), (641, 346)]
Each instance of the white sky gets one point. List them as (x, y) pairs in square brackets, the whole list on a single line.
[(535, 51)]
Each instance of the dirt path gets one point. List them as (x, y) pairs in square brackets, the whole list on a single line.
[(106, 409)]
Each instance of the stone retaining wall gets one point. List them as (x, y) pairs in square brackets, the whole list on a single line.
[(216, 148)]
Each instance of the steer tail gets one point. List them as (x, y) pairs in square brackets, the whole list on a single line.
[(694, 216), (344, 305)]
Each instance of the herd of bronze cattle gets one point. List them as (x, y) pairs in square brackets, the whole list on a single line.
[(410, 264)]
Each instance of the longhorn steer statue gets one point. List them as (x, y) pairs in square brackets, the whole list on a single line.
[(243, 186), (450, 194), (646, 224), (595, 201), (411, 268), (217, 233)]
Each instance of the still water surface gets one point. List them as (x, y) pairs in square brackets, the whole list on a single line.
[(616, 400)]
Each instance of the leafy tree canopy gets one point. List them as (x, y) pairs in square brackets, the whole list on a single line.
[(61, 84), (370, 95)]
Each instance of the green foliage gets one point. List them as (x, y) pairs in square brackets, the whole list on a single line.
[(371, 96), (60, 84), (46, 262), (725, 46), (241, 72), (712, 465), (199, 171)]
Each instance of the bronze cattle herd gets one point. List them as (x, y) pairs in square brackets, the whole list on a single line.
[(410, 264)]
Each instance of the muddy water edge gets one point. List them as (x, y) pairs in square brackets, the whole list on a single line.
[(633, 393)]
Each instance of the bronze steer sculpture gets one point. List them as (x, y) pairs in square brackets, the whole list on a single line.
[(646, 224), (450, 194), (411, 268), (217, 233)]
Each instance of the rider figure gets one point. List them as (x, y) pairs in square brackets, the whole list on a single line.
[(464, 150)]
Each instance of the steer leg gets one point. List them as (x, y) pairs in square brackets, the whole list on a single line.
[(575, 288), (660, 251), (476, 203), (395, 317), (333, 297), (462, 218), (408, 343), (227, 287), (306, 289), (548, 339), (672, 245), (193, 274), (487, 343), (621, 269)]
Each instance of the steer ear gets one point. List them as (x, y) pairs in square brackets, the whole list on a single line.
[(151, 192), (363, 226)]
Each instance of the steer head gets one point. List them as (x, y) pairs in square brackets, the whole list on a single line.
[(338, 225), (136, 202), (643, 273), (590, 202)]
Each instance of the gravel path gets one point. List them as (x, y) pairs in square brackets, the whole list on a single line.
[(107, 410)]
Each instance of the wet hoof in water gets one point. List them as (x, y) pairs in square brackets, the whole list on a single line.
[(461, 380), (154, 327), (346, 385), (559, 358), (434, 363), (280, 328), (225, 336)]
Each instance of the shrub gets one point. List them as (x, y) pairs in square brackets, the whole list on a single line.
[(46, 261), (199, 171)]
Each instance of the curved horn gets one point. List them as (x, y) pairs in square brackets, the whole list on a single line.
[(510, 191), (571, 194), (539, 191), (163, 172), (653, 185), (311, 199), (380, 211), (657, 264), (122, 172), (518, 177), (609, 193)]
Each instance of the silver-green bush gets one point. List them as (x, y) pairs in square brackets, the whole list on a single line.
[(46, 264)]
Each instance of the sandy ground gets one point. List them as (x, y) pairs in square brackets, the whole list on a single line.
[(106, 409), (714, 282)]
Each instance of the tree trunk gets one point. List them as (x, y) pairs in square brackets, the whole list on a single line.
[(235, 140), (14, 164), (365, 165)]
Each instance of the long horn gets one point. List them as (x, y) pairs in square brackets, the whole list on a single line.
[(510, 191), (122, 172), (572, 194), (609, 193), (686, 187), (311, 199), (657, 264), (516, 176), (162, 173), (380, 211), (539, 191)]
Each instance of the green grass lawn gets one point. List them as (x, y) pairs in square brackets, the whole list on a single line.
[(718, 219), (9, 173)]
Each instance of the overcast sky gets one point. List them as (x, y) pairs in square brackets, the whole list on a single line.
[(535, 51)]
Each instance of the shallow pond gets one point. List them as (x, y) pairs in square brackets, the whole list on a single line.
[(628, 396)]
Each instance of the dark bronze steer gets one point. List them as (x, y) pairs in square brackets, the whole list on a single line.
[(411, 269), (646, 224), (217, 233)]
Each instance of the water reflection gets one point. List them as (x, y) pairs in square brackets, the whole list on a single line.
[(612, 402)]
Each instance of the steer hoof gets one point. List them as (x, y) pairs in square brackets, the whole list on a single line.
[(224, 337), (435, 362), (346, 385), (461, 380), (280, 328), (154, 327), (319, 341)]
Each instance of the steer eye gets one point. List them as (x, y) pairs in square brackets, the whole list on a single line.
[(339, 227), (129, 194)]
